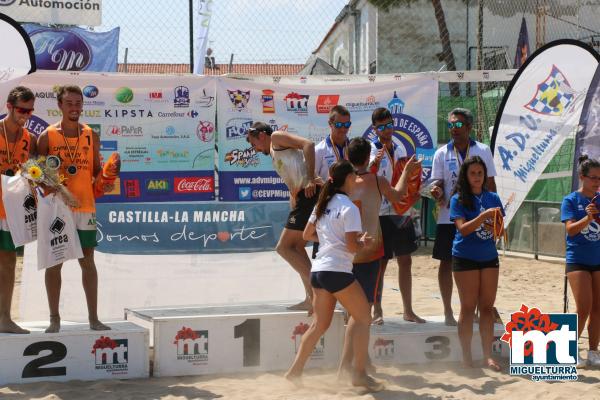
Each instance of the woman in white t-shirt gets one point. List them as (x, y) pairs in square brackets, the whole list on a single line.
[(335, 224)]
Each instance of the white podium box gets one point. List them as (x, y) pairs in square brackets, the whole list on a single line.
[(76, 352), (401, 342), (233, 338)]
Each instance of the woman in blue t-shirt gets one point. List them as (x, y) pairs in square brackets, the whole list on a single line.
[(474, 256), (579, 212), (335, 223)]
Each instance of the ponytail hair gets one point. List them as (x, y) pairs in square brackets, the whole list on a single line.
[(337, 176), (585, 164)]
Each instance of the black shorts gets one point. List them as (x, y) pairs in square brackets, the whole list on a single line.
[(330, 280), (460, 264), (298, 217), (366, 274), (581, 267), (442, 246), (399, 236)]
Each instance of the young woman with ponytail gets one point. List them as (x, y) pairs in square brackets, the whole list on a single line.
[(475, 212), (335, 223), (579, 212)]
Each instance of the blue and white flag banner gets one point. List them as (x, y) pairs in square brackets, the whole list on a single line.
[(301, 105), (540, 109), (588, 136), (74, 49), (16, 43), (202, 23), (162, 126)]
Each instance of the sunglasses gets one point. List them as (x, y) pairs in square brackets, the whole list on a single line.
[(383, 127), (339, 125), (22, 110), (456, 124)]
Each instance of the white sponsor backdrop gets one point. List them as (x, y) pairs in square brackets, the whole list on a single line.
[(541, 110), (301, 105), (162, 126)]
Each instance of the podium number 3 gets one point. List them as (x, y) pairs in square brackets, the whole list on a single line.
[(58, 351), (249, 330), (440, 347)]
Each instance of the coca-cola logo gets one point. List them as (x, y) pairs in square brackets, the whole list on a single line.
[(194, 184), (60, 50)]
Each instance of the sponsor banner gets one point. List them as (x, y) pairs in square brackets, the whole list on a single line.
[(167, 186), (74, 49), (252, 186), (162, 126), (301, 105), (189, 228), (541, 107), (63, 12)]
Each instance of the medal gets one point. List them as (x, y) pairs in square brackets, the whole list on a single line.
[(53, 162), (71, 169), (9, 172)]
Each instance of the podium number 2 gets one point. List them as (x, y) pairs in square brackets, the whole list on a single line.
[(58, 351), (440, 347), (249, 330)]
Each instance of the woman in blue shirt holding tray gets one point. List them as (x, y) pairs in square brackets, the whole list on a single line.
[(579, 212), (474, 256)]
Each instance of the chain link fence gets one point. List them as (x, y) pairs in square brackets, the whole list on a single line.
[(368, 37)]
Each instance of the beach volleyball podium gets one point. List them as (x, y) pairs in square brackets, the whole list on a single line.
[(401, 342), (233, 338), (76, 352)]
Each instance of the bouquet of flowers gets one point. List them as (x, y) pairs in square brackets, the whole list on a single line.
[(43, 171)]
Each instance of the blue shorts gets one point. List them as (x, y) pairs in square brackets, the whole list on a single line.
[(330, 280), (366, 274)]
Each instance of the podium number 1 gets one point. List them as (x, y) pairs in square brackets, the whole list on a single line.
[(249, 330)]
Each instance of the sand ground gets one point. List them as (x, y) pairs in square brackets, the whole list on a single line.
[(522, 280)]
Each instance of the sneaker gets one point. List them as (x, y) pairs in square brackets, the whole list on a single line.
[(581, 362), (594, 358)]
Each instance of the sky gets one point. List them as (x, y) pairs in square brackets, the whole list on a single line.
[(255, 31)]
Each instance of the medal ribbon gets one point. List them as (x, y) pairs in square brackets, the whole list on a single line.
[(9, 159), (457, 154), (336, 152), (72, 155)]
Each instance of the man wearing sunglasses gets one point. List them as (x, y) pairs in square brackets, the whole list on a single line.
[(294, 160), (16, 146), (335, 146), (446, 164), (399, 237)]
